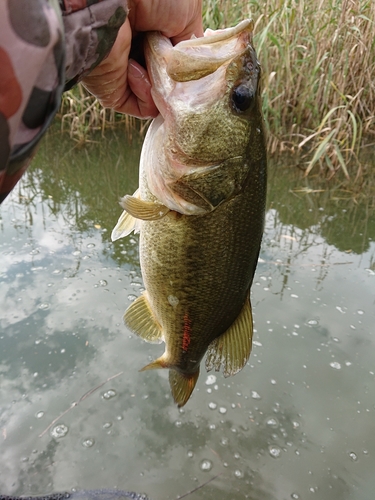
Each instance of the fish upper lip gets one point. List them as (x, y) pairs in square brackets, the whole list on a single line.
[(219, 36), (175, 62)]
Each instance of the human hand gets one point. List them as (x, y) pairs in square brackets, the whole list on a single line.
[(123, 84)]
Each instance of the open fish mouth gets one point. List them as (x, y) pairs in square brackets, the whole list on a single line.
[(192, 59)]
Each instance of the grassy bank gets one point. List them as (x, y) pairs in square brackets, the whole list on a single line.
[(318, 61)]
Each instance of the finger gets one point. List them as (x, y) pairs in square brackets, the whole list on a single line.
[(194, 28), (138, 101)]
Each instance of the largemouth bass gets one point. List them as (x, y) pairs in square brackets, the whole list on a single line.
[(200, 204)]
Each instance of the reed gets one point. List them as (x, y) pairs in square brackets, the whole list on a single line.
[(318, 62), (81, 114)]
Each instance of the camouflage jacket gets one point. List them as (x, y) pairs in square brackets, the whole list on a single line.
[(46, 46)]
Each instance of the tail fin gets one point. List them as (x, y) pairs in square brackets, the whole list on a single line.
[(182, 385)]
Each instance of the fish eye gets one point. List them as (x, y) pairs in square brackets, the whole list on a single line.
[(242, 98)]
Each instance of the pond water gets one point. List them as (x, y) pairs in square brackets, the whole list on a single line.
[(297, 423)]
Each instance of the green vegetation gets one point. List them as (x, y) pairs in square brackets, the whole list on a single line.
[(318, 61)]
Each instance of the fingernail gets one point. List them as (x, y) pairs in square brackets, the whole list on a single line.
[(137, 71)]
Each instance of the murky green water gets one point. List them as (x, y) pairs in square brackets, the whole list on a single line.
[(297, 423)]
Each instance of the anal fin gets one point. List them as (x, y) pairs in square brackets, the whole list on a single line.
[(232, 349), (182, 385), (139, 319)]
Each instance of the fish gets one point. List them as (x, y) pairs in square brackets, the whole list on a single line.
[(200, 204)]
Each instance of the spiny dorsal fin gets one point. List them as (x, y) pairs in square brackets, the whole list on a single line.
[(144, 210), (140, 320), (182, 385), (232, 349)]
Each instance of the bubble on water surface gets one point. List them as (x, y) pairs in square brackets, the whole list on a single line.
[(360, 312), (274, 451), (335, 365), (90, 245), (353, 456), (107, 425), (238, 473), (206, 465), (340, 309), (255, 395), (295, 496), (111, 393), (222, 410), (43, 306), (212, 405), (59, 431), (312, 322), (88, 442), (211, 379), (103, 283), (272, 422), (39, 414)]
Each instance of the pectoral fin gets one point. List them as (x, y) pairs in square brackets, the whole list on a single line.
[(139, 319), (144, 210), (232, 349), (182, 385), (125, 225)]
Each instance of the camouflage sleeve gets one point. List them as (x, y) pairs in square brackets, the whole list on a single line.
[(45, 45)]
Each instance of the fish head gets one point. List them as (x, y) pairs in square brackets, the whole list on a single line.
[(207, 92)]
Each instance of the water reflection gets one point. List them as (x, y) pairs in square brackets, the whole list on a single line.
[(296, 423)]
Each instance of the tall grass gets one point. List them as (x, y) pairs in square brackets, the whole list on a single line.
[(81, 114), (318, 62)]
